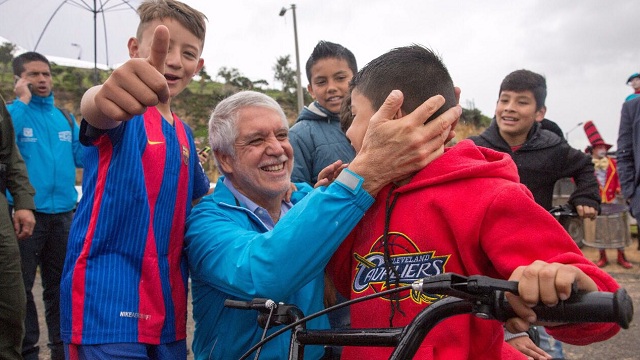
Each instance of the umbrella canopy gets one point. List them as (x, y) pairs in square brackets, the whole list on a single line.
[(95, 30)]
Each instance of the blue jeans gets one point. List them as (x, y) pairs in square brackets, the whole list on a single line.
[(46, 249), (552, 346), (176, 350)]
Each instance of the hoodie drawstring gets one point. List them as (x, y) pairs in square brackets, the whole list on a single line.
[(394, 299)]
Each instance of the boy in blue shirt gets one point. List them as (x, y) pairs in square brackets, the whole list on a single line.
[(316, 137)]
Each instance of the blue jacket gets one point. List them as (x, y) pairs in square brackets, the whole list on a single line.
[(51, 150), (318, 141), (631, 97), (232, 255)]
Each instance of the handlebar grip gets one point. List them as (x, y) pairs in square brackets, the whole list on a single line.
[(588, 307), (238, 304)]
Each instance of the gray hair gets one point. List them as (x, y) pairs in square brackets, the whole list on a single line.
[(223, 129)]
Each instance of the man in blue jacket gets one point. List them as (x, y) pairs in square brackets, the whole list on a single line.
[(48, 142), (246, 240)]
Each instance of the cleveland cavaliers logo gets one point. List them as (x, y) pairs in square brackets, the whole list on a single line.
[(410, 263)]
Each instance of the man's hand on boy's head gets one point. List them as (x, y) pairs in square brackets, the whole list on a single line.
[(393, 149), (138, 83), (543, 282)]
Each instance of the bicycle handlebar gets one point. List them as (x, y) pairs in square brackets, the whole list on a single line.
[(594, 306), (479, 295), (259, 304), (581, 307)]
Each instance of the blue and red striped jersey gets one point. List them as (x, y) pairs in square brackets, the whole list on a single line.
[(125, 274)]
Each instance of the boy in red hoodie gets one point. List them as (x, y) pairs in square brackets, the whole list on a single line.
[(467, 213)]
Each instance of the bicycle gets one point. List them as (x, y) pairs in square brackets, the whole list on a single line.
[(479, 295)]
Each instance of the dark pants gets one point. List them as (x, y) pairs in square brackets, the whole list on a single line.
[(12, 296), (338, 319), (46, 249)]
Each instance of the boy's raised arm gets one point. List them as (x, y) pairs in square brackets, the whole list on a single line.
[(138, 83)]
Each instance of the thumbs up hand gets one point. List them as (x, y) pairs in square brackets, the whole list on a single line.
[(133, 86)]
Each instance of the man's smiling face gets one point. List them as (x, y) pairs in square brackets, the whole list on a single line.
[(263, 161)]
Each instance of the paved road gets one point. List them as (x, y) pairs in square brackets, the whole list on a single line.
[(624, 346)]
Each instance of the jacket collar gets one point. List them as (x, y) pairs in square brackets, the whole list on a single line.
[(42, 101), (536, 138), (316, 112)]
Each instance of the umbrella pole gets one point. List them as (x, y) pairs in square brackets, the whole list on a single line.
[(95, 43)]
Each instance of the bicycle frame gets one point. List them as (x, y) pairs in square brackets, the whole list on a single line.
[(406, 340)]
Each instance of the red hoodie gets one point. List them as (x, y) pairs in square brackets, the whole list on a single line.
[(465, 213)]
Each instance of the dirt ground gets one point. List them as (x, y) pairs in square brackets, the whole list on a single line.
[(624, 346)]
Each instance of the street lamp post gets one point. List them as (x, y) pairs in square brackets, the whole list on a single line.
[(295, 35), (79, 49), (566, 135)]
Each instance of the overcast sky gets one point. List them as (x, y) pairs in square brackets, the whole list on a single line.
[(586, 49)]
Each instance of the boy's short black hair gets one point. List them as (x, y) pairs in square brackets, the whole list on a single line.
[(20, 60), (523, 80), (326, 49), (415, 70)]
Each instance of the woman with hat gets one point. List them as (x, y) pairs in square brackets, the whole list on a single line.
[(608, 182)]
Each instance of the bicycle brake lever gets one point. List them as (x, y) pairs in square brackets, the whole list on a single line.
[(462, 286), (479, 284), (284, 314)]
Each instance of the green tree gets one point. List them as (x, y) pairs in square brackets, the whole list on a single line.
[(285, 74), (474, 117), (227, 74), (73, 80), (234, 78), (6, 55)]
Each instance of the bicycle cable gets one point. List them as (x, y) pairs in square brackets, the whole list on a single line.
[(259, 344), (272, 306)]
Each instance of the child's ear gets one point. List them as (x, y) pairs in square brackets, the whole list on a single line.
[(310, 90), (541, 113), (133, 46), (199, 67)]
